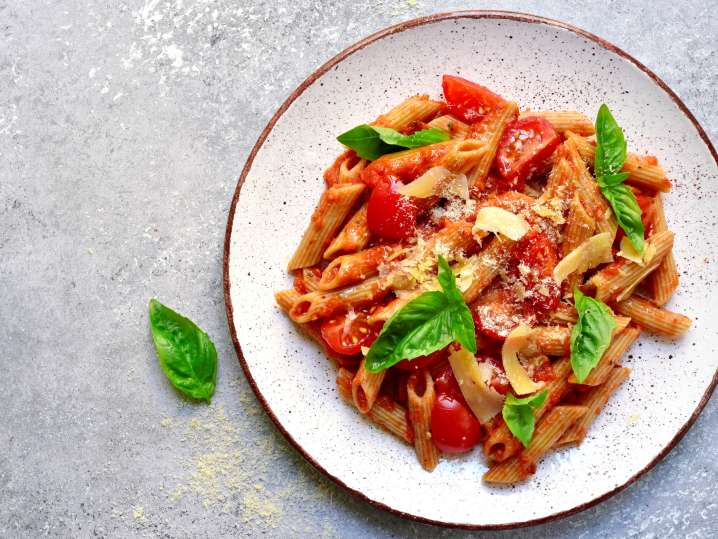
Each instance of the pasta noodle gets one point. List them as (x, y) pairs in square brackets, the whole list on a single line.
[(652, 318), (664, 281), (563, 121), (453, 126), (353, 237), (594, 401), (420, 405), (490, 133), (333, 209)]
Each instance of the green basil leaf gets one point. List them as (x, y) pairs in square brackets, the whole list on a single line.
[(628, 213), (611, 152), (611, 148), (591, 335), (371, 142), (519, 415), (426, 324), (186, 353)]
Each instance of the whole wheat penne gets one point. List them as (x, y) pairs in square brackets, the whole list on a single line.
[(322, 304), (489, 132), (331, 212), (310, 278), (386, 413), (451, 125), (365, 387), (414, 109), (464, 156), (619, 279), (353, 237), (346, 168), (565, 313), (556, 199), (653, 318), (620, 343), (487, 265), (500, 444), (547, 433), (421, 402), (353, 268), (579, 228), (562, 121), (588, 191), (594, 401), (413, 162), (642, 173), (664, 281), (286, 298)]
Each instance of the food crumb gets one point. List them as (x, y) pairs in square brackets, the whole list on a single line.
[(166, 422), (138, 513)]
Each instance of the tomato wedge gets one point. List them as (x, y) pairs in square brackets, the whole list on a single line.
[(524, 147), (390, 215), (467, 100), (345, 336), (536, 255)]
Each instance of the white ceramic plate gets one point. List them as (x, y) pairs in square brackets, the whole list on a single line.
[(542, 65)]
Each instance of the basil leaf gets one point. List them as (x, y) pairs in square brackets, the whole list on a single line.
[(611, 151), (371, 142), (426, 324), (591, 335), (519, 415), (186, 353), (611, 148), (627, 211)]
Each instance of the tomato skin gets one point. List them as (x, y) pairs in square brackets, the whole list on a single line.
[(390, 215), (360, 333), (467, 100), (421, 362), (540, 253), (524, 147), (454, 429), (445, 384)]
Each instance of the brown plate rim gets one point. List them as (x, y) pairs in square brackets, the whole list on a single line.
[(400, 27)]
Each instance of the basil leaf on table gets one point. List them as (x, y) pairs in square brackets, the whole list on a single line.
[(186, 353), (426, 324), (519, 417), (371, 142), (591, 335), (611, 151)]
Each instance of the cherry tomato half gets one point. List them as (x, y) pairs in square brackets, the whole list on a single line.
[(468, 100), (524, 147), (454, 429), (445, 383), (347, 338), (390, 215), (539, 253)]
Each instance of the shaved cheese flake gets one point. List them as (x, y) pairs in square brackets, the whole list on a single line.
[(517, 375), (437, 181), (483, 400), (592, 252), (498, 220), (628, 251)]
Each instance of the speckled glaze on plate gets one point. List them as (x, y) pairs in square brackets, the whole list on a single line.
[(541, 64)]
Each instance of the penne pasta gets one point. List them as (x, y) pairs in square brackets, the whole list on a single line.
[(620, 343), (453, 126), (618, 280), (385, 413), (652, 318), (352, 238), (663, 281), (594, 401), (500, 444), (322, 304), (365, 388), (562, 121), (333, 209), (353, 268), (548, 431), (489, 132), (347, 168), (418, 108), (464, 156), (421, 401)]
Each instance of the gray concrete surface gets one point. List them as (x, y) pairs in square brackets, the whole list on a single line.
[(123, 126)]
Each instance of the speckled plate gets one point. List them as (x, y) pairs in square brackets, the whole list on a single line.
[(541, 64)]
